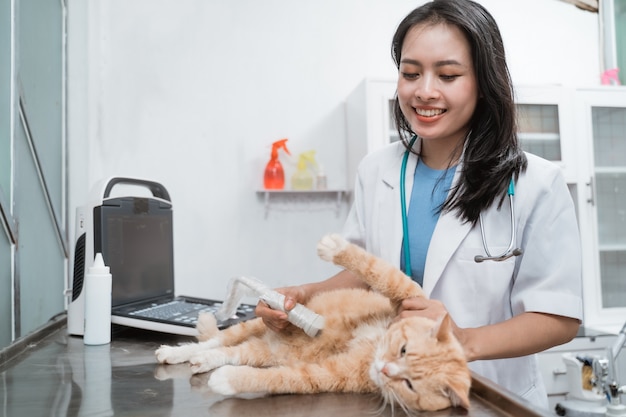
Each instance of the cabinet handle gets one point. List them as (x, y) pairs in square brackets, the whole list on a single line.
[(558, 371), (591, 185)]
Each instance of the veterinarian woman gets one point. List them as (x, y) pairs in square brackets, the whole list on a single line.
[(455, 97)]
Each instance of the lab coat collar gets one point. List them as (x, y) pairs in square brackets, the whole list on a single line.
[(447, 236)]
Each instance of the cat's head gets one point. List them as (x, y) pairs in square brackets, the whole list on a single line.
[(420, 365)]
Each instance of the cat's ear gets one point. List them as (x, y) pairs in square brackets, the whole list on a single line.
[(458, 394), (443, 329)]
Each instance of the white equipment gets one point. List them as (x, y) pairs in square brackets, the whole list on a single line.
[(603, 400)]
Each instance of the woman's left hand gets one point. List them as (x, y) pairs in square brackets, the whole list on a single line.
[(433, 310), (423, 307)]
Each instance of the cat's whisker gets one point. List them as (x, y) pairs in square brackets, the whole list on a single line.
[(389, 397), (394, 401), (383, 404)]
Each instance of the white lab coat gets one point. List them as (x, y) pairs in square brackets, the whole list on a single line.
[(546, 278)]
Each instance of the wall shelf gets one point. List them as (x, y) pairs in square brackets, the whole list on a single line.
[(306, 200)]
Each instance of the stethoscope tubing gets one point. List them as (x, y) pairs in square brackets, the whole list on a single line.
[(405, 220)]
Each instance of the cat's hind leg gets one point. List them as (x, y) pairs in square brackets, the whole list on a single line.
[(241, 332), (304, 378), (220, 380), (206, 326)]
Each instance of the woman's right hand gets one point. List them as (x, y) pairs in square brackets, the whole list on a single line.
[(276, 320)]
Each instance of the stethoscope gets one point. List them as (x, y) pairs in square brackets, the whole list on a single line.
[(509, 252)]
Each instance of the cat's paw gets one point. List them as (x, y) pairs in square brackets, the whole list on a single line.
[(174, 354), (330, 246), (219, 382), (206, 361)]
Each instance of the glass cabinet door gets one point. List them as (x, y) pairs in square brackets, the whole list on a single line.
[(609, 150), (543, 128), (538, 127), (600, 121)]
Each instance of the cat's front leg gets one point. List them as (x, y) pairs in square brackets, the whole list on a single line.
[(208, 360), (182, 353)]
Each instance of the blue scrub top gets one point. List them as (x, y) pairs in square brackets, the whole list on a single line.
[(430, 189)]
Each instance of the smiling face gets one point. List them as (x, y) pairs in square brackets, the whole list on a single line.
[(437, 86)]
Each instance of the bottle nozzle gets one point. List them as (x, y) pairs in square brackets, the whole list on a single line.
[(98, 266), (278, 145), (307, 157)]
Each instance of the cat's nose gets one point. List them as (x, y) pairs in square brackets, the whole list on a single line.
[(389, 370), (383, 368)]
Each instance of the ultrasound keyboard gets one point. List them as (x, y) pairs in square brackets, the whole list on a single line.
[(186, 312)]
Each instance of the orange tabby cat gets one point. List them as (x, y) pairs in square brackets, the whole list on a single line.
[(414, 363)]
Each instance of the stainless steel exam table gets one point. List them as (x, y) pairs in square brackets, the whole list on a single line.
[(50, 373)]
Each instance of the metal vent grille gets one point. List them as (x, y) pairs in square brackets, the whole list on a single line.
[(79, 267)]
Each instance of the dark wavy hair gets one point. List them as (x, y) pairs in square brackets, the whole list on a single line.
[(492, 152)]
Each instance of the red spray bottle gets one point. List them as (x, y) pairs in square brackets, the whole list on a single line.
[(274, 178)]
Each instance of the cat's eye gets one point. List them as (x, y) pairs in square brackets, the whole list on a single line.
[(403, 351), (408, 384)]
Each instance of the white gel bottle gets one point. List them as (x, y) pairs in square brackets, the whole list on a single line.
[(98, 285)]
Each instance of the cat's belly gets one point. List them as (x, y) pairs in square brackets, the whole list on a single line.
[(371, 332), (350, 302)]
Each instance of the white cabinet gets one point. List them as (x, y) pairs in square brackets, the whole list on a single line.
[(584, 132), (600, 120)]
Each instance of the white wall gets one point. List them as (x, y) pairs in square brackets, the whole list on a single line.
[(191, 93)]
